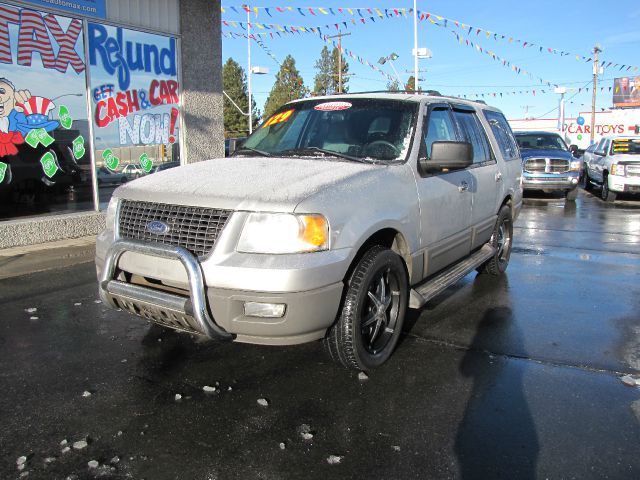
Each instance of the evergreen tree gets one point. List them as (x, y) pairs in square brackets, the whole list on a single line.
[(326, 81), (289, 85), (234, 83), (410, 86), (393, 86), (322, 82)]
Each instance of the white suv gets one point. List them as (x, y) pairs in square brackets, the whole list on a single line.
[(614, 165), (336, 215)]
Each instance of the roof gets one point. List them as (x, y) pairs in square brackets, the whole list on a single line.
[(409, 97)]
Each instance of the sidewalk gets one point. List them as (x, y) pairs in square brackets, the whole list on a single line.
[(18, 261)]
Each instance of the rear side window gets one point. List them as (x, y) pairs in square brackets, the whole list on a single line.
[(473, 133), (504, 136)]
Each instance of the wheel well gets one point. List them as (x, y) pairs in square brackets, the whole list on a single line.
[(508, 200), (388, 238)]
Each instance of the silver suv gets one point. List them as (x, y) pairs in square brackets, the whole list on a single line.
[(336, 215)]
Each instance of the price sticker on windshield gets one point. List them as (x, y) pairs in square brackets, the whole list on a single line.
[(279, 118), (332, 106)]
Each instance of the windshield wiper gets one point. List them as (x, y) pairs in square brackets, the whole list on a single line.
[(299, 151), (252, 150)]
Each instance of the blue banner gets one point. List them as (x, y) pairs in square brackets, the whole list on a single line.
[(88, 8)]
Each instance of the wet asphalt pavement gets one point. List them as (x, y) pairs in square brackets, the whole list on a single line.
[(513, 378)]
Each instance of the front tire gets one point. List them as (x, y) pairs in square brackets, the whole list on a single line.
[(373, 310), (571, 195), (606, 194), (502, 241)]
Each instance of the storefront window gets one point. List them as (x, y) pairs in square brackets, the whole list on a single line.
[(134, 104), (45, 165)]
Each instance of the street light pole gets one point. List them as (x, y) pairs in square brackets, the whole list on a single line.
[(596, 66), (415, 44)]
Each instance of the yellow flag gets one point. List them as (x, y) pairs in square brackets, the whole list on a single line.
[(350, 11), (379, 13), (323, 11), (255, 10)]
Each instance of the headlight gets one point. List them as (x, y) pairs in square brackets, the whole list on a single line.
[(112, 210), (575, 165), (617, 170), (284, 233)]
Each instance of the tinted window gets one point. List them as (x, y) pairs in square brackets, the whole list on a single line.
[(504, 136), (474, 134), (440, 127)]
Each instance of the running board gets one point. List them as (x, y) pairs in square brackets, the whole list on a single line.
[(428, 290)]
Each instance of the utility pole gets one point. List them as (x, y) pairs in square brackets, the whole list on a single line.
[(596, 67), (526, 111), (249, 66), (339, 37)]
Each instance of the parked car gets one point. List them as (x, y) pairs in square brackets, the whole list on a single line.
[(133, 171), (613, 165), (165, 166), (336, 215), (108, 177), (548, 164)]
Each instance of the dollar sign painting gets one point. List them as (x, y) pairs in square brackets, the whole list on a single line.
[(110, 160), (146, 163), (78, 147), (3, 171), (49, 164), (65, 118)]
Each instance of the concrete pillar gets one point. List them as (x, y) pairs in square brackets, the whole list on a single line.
[(201, 43)]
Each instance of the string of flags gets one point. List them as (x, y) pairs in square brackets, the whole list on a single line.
[(289, 30), (533, 92), (368, 14)]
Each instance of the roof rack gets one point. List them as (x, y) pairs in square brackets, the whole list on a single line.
[(434, 93)]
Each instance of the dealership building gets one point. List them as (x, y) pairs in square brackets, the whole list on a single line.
[(94, 93)]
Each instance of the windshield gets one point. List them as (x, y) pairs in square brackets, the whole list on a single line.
[(373, 130), (628, 146), (541, 142)]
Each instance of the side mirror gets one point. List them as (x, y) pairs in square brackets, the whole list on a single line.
[(448, 156), (574, 150)]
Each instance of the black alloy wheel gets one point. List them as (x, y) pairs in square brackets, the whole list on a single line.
[(374, 305)]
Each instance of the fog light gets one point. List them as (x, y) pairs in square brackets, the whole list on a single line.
[(264, 310), (574, 180)]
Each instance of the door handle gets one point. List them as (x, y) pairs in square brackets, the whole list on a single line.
[(498, 176), (463, 187)]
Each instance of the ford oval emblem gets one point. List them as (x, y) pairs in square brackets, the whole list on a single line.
[(157, 228)]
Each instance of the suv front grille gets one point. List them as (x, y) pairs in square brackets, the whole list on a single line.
[(193, 228), (547, 165)]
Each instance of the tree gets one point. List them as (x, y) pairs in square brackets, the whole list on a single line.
[(234, 83), (326, 81), (393, 86), (322, 81), (289, 85), (410, 86)]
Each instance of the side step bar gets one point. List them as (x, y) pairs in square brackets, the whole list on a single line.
[(436, 285)]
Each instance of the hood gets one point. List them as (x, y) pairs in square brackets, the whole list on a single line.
[(626, 158), (545, 153), (244, 183)]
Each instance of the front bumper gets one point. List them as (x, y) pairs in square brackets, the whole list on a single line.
[(207, 296), (624, 184), (550, 181)]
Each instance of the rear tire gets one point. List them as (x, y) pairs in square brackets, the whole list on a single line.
[(501, 240), (373, 310), (606, 194)]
